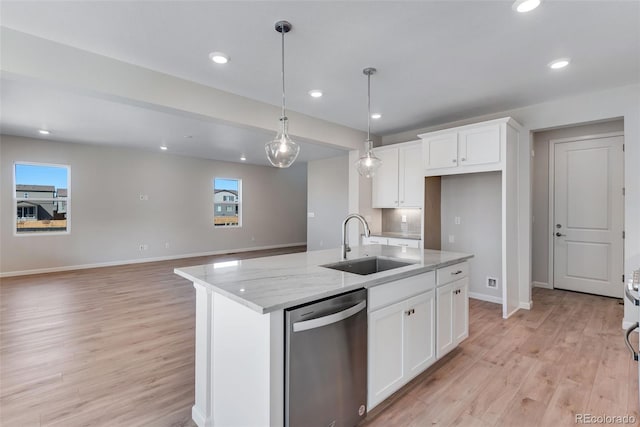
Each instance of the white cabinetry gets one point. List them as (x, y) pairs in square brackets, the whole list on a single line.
[(406, 243), (482, 147), (452, 307), (473, 148), (399, 180), (374, 240), (401, 334)]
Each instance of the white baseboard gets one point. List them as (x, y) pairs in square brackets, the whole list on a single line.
[(526, 305), (541, 285), (483, 297), (143, 260)]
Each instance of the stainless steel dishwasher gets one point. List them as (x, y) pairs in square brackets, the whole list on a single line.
[(326, 362)]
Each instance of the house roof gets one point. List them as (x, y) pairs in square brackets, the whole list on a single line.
[(234, 192), (62, 192), (24, 187)]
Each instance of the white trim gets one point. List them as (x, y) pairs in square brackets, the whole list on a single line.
[(483, 297), (143, 260), (526, 305), (551, 174), (541, 285)]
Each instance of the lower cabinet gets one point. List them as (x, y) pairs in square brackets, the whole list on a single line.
[(452, 315), (401, 344)]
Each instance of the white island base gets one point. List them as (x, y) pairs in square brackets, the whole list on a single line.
[(239, 365)]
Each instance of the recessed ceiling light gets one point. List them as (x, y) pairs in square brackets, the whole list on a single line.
[(44, 132), (243, 158), (559, 63), (219, 57), (315, 93), (163, 147), (376, 116), (523, 6)]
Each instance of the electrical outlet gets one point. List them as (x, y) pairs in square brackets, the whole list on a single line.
[(311, 214), (166, 245), (456, 220), (452, 238), (492, 282), (144, 197), (404, 218)]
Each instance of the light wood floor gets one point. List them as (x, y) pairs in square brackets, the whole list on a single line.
[(115, 347), (541, 367)]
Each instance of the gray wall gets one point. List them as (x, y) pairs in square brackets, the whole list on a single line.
[(327, 199), (477, 199), (540, 190), (109, 222)]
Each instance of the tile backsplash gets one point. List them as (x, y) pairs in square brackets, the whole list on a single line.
[(392, 220)]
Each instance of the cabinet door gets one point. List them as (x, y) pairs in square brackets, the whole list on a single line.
[(411, 176), (385, 365), (479, 145), (407, 243), (441, 151), (385, 181), (460, 310), (419, 334), (444, 313)]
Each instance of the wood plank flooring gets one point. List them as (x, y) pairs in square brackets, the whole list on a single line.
[(115, 347), (541, 367)]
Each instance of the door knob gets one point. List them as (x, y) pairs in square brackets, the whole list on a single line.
[(558, 225), (560, 234)]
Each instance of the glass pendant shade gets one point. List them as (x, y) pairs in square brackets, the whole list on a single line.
[(368, 164), (282, 151)]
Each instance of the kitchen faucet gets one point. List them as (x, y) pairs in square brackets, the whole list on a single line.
[(345, 246)]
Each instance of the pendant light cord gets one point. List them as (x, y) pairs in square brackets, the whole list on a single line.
[(368, 107), (283, 97)]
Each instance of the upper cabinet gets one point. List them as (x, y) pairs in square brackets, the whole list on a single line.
[(466, 149), (400, 179)]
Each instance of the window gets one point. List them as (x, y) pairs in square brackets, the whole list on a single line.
[(42, 196), (227, 198)]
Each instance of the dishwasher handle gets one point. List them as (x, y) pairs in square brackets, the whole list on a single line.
[(632, 328), (305, 325)]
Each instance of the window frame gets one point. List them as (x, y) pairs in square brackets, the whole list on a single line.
[(238, 203), (66, 199)]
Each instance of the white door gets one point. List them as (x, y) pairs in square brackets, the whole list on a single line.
[(479, 145), (441, 151), (411, 176), (385, 181), (385, 365), (588, 215), (444, 322), (460, 310), (419, 334)]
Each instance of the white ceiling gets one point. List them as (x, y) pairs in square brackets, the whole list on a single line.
[(438, 61)]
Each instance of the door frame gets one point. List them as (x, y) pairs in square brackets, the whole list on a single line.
[(552, 150)]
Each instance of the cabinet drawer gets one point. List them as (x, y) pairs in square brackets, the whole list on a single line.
[(409, 243), (453, 272), (373, 240), (389, 293)]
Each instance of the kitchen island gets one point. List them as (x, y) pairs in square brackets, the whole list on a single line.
[(240, 323)]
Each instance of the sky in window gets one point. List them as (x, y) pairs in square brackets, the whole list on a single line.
[(226, 184), (41, 175)]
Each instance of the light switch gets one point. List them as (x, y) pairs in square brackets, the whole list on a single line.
[(311, 214), (457, 220), (452, 238), (404, 218)]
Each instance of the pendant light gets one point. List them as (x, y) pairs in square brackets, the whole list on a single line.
[(368, 164), (282, 151)]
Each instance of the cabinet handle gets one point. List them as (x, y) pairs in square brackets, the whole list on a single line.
[(454, 161), (455, 273), (410, 312), (463, 159)]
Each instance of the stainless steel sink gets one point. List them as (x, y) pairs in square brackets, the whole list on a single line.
[(368, 265)]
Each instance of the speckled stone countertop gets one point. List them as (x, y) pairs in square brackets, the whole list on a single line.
[(278, 282)]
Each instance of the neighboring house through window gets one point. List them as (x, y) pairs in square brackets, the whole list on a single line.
[(227, 200), (41, 194)]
